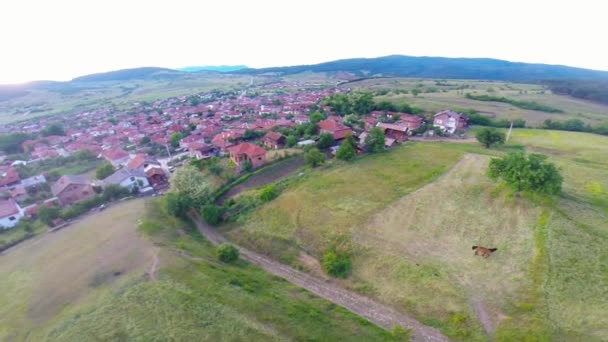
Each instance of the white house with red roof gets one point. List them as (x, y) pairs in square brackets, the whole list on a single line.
[(10, 213)]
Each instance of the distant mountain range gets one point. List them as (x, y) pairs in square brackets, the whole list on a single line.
[(218, 68), (440, 67)]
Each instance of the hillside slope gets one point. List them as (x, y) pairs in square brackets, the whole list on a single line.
[(440, 67)]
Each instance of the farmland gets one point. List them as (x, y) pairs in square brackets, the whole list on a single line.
[(100, 279), (411, 215), (450, 95)]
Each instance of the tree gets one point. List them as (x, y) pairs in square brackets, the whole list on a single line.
[(489, 136), (315, 117), (268, 193), (54, 129), (347, 149), (48, 214), (326, 140), (145, 140), (11, 143), (177, 205), (291, 141), (527, 172), (175, 138), (212, 214), (374, 141), (190, 183), (363, 103), (314, 157), (246, 166), (104, 170), (227, 253), (114, 192)]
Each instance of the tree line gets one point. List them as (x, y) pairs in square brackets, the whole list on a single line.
[(588, 89), (531, 105)]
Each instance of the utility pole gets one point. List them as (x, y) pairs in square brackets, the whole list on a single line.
[(509, 134)]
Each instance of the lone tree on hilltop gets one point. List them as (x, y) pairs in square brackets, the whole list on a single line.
[(527, 172), (490, 136)]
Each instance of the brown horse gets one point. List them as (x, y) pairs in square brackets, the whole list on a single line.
[(484, 252)]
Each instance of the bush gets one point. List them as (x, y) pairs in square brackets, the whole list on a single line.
[(48, 214), (490, 136), (326, 140), (268, 193), (530, 172), (291, 141), (400, 334), (212, 214), (347, 149), (374, 141), (227, 253), (104, 170), (336, 263), (314, 157)]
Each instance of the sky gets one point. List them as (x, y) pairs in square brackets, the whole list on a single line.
[(62, 39)]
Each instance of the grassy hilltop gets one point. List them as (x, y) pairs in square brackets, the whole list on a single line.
[(410, 216)]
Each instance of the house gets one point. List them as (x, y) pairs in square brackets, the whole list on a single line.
[(128, 178), (247, 152), (70, 189), (10, 213), (116, 156), (8, 176), (186, 141), (412, 122), (274, 140), (201, 150), (156, 176), (141, 161), (394, 131), (450, 121), (337, 130)]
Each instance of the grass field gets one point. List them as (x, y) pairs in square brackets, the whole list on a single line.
[(448, 96), (411, 243), (94, 281)]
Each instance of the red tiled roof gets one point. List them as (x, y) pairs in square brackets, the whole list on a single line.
[(114, 154), (8, 207), (9, 176), (248, 149), (273, 136), (137, 162)]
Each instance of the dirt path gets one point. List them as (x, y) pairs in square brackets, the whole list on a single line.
[(379, 314), (269, 175)]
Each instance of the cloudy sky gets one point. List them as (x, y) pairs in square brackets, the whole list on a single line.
[(61, 39)]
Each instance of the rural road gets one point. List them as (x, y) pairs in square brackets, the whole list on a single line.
[(373, 311)]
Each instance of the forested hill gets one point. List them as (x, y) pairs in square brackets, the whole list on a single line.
[(441, 67), (594, 90), (130, 74)]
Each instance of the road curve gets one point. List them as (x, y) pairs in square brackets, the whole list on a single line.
[(377, 313)]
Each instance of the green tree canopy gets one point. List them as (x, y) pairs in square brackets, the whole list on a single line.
[(11, 143), (104, 170), (527, 172), (315, 117), (490, 136), (291, 141), (326, 140), (212, 214), (314, 157), (175, 138), (374, 141), (190, 183), (53, 129), (347, 149)]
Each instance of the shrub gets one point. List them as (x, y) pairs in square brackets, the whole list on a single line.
[(336, 263), (48, 214), (268, 193), (104, 170), (326, 140), (374, 141), (291, 141), (314, 157), (400, 334), (227, 252), (212, 214)]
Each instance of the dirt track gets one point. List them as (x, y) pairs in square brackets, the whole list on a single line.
[(375, 312)]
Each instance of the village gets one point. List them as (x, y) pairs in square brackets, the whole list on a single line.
[(144, 144)]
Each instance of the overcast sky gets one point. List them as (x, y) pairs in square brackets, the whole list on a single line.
[(62, 39)]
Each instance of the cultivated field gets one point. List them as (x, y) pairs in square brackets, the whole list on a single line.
[(100, 280), (449, 96), (411, 242)]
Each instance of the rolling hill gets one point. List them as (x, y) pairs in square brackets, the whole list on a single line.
[(218, 68), (440, 67), (130, 74)]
